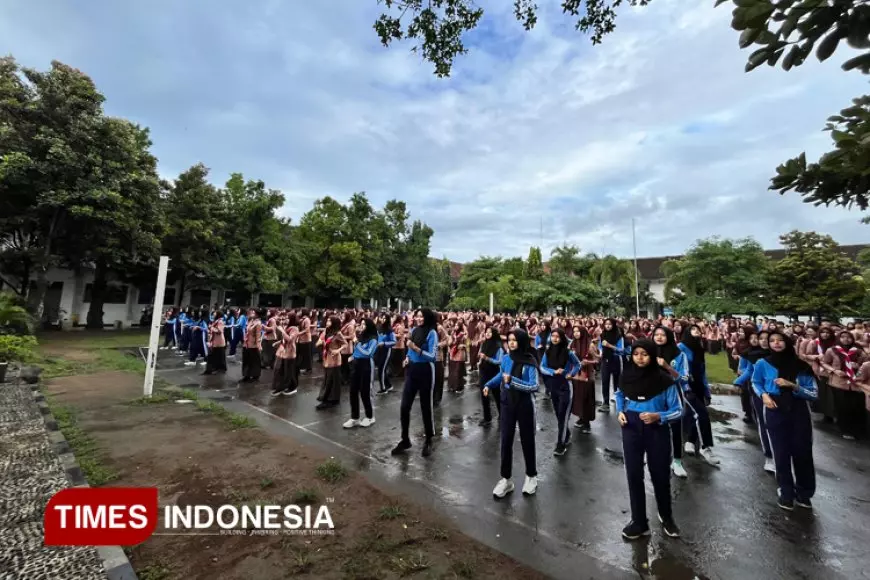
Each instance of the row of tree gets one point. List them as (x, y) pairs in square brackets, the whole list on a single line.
[(81, 190)]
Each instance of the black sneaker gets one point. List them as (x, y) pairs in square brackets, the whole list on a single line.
[(427, 448), (804, 503), (401, 448), (635, 530), (560, 450), (276, 393), (670, 528), (604, 409), (586, 429), (288, 392), (748, 420), (787, 505)]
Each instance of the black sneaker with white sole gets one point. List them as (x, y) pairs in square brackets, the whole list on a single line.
[(560, 450), (787, 505), (804, 503), (670, 527), (635, 530)]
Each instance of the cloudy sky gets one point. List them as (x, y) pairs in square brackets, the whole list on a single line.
[(659, 123)]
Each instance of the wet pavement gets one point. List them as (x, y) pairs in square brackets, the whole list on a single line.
[(730, 523)]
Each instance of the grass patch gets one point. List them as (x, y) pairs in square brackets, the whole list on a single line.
[(391, 512), (413, 564), (301, 562), (437, 534), (241, 421), (103, 360), (331, 471), (463, 568), (306, 496), (718, 370), (235, 420), (266, 483), (154, 399), (361, 567), (84, 446), (154, 572)]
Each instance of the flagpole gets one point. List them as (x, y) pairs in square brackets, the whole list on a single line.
[(636, 284)]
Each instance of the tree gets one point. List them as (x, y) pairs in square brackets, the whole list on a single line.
[(718, 276), (438, 26), (815, 277), (792, 29), (566, 259), (534, 267), (436, 287)]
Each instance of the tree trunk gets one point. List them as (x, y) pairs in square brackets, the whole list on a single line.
[(180, 297), (98, 296), (36, 299)]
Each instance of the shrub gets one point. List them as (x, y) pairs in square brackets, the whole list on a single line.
[(16, 348), (14, 319)]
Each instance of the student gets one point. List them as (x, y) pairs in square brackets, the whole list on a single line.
[(399, 352), (198, 339), (843, 361), (285, 378), (422, 350), (348, 330), (330, 342), (744, 370), (752, 353), (270, 336), (674, 361), (251, 347), (647, 400), (303, 343), (217, 346), (611, 347), (362, 376), (583, 383), (440, 363), (518, 381), (813, 353), (170, 335), (458, 354), (558, 365), (786, 386), (490, 356), (239, 331), (475, 337), (696, 417), (386, 340)]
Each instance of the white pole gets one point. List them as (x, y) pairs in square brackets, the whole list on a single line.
[(636, 284), (491, 303), (156, 319)]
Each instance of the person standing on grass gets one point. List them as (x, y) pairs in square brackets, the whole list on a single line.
[(674, 361), (362, 376), (217, 346), (303, 343), (786, 386), (285, 379), (558, 366), (331, 342), (647, 400), (386, 340), (490, 355), (251, 347), (421, 363), (842, 361), (611, 347), (696, 418), (518, 381)]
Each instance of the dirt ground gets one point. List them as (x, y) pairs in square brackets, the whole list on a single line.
[(193, 457)]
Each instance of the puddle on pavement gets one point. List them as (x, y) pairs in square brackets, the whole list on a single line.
[(614, 457), (653, 563), (720, 416)]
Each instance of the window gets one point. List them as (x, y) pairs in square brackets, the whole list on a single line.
[(113, 295), (200, 297), (270, 300), (146, 295), (237, 298)]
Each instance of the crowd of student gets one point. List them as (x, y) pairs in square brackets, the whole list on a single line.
[(654, 372)]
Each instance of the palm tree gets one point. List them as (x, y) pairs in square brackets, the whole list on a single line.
[(13, 316)]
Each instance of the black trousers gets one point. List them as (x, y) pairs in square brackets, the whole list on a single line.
[(285, 376), (251, 363), (639, 439), (382, 364), (216, 359), (487, 371), (419, 380), (763, 435), (791, 436), (695, 418), (611, 367), (345, 368), (303, 355), (169, 334), (517, 408), (676, 427), (563, 398), (851, 410), (438, 390), (361, 379)]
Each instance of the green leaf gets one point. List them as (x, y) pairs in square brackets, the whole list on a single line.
[(757, 58), (828, 45), (748, 36), (861, 62)]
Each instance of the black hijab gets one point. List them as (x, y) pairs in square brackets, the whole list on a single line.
[(546, 330), (669, 350), (491, 345), (753, 353), (786, 362), (694, 343), (613, 335), (523, 355), (369, 331), (557, 354), (644, 383), (421, 333)]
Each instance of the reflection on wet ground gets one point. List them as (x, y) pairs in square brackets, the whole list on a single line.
[(731, 525)]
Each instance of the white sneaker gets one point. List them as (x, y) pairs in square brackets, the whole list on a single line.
[(769, 465), (689, 449), (530, 486), (678, 469), (708, 456), (351, 423), (366, 422), (503, 487), (189, 364)]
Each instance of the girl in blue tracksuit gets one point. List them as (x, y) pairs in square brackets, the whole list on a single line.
[(170, 335), (239, 329), (491, 353), (185, 319), (386, 341), (558, 365), (198, 339), (647, 400), (420, 378), (786, 386), (752, 353), (611, 346), (697, 397), (518, 381), (362, 376), (672, 359)]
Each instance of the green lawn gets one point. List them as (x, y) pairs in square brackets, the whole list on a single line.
[(69, 353), (718, 370)]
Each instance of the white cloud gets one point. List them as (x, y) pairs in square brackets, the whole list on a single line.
[(659, 123)]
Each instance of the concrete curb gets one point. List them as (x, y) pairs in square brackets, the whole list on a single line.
[(115, 561)]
